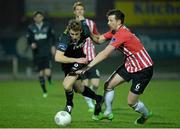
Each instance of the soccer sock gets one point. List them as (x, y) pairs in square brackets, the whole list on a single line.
[(89, 93), (141, 108), (89, 102), (49, 79), (109, 95), (69, 97), (42, 83)]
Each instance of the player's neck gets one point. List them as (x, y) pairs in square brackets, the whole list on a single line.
[(119, 26)]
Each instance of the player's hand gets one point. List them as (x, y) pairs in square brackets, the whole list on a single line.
[(33, 46), (53, 50), (82, 60), (83, 70)]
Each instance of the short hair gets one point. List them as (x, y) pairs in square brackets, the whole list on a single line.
[(78, 4), (74, 25), (38, 12), (118, 14)]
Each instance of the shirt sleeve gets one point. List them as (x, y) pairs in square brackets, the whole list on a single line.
[(108, 35), (85, 28), (62, 43), (95, 31), (30, 36)]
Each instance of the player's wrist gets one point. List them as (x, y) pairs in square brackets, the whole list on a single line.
[(89, 66)]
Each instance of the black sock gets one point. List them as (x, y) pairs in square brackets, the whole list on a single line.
[(42, 83), (69, 97), (89, 93), (49, 79)]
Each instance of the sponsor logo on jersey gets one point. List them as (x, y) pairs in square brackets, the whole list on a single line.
[(40, 36)]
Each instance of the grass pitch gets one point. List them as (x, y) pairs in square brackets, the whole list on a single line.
[(22, 106)]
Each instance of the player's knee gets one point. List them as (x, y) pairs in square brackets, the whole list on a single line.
[(78, 89), (67, 87), (130, 104), (107, 87)]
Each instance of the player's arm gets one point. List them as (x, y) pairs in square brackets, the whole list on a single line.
[(99, 58), (30, 39), (98, 39), (60, 57), (102, 55), (95, 37)]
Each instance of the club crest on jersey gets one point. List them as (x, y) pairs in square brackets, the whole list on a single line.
[(112, 40), (62, 46)]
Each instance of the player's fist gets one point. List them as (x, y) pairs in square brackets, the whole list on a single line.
[(33, 46)]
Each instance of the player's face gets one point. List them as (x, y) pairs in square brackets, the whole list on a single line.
[(113, 22), (79, 11), (38, 18), (75, 35)]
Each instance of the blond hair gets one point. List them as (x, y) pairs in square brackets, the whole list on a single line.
[(78, 4)]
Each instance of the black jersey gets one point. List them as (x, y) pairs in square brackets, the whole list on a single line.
[(73, 49), (44, 38)]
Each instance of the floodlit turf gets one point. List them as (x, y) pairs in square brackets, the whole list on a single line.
[(22, 106)]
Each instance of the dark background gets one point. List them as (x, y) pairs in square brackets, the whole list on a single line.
[(162, 40)]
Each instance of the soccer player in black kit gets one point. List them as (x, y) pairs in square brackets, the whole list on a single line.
[(70, 53), (41, 39)]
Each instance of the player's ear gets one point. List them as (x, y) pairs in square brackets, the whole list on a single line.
[(119, 21)]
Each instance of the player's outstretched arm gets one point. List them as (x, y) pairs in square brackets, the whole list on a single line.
[(101, 56), (98, 39)]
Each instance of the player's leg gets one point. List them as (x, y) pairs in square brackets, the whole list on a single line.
[(48, 72), (140, 81), (94, 76), (86, 91), (85, 82), (42, 83), (109, 86), (48, 75), (68, 87), (138, 106)]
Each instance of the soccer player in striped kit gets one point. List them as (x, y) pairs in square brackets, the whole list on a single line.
[(92, 77), (138, 66)]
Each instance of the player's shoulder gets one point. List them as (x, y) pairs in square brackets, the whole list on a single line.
[(47, 23)]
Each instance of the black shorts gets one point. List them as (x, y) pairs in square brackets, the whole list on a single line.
[(139, 79), (42, 63), (91, 73), (72, 68)]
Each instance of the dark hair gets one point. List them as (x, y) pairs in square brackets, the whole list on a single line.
[(74, 25), (38, 12), (118, 14)]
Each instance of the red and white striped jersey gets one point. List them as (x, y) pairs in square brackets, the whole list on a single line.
[(89, 48), (137, 57)]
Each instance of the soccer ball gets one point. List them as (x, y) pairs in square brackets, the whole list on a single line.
[(62, 118)]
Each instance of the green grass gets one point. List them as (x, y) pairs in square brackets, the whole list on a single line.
[(22, 106)]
